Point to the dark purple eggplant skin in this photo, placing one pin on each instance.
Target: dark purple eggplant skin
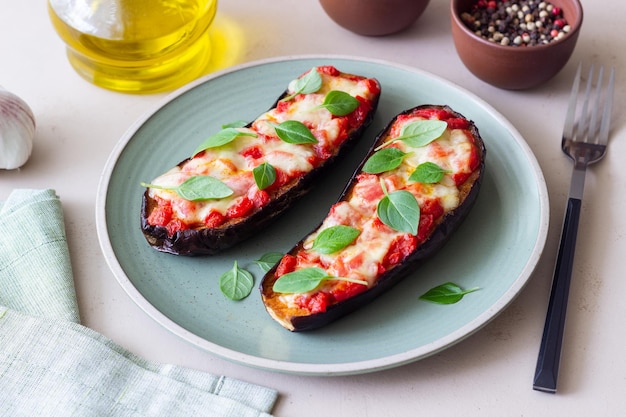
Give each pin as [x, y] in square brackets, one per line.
[438, 238]
[212, 241]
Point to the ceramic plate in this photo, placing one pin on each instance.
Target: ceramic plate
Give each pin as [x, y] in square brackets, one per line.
[496, 248]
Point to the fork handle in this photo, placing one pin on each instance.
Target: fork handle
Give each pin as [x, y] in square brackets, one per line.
[549, 358]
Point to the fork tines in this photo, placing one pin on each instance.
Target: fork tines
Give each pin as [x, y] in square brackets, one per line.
[590, 127]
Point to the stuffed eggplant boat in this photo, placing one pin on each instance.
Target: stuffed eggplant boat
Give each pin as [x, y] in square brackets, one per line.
[411, 192]
[242, 177]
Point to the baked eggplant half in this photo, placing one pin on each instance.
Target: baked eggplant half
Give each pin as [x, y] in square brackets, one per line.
[243, 177]
[404, 202]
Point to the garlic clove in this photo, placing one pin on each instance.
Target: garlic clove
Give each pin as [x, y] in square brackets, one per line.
[17, 130]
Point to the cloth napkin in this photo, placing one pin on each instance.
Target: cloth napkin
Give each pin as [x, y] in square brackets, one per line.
[51, 365]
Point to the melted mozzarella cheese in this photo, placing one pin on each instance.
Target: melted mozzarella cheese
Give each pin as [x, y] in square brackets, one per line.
[452, 152]
[227, 164]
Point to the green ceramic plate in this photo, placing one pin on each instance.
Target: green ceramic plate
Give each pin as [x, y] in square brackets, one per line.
[496, 249]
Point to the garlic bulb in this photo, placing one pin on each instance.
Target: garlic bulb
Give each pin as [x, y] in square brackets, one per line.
[17, 130]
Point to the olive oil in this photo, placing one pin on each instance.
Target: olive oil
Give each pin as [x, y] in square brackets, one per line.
[136, 46]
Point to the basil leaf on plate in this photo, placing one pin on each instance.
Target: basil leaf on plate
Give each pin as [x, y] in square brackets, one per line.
[268, 260]
[305, 280]
[236, 283]
[294, 132]
[335, 238]
[309, 83]
[419, 133]
[198, 188]
[448, 293]
[384, 160]
[339, 103]
[428, 173]
[222, 137]
[399, 210]
[299, 281]
[264, 175]
[422, 132]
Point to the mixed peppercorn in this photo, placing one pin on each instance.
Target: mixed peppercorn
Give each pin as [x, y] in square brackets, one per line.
[517, 23]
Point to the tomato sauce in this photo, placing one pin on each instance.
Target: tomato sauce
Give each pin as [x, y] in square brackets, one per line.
[165, 214]
[366, 193]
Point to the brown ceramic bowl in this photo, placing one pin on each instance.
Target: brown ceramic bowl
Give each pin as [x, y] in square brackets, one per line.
[511, 67]
[374, 17]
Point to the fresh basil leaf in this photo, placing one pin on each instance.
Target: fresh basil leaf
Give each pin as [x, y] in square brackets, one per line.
[200, 187]
[419, 133]
[448, 293]
[339, 103]
[299, 281]
[236, 123]
[428, 173]
[264, 175]
[335, 238]
[309, 83]
[268, 260]
[422, 132]
[294, 132]
[237, 283]
[222, 137]
[384, 160]
[305, 280]
[399, 210]
[203, 187]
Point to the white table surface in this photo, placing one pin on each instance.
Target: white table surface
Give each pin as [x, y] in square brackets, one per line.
[488, 374]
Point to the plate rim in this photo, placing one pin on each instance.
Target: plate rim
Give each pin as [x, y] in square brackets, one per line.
[320, 369]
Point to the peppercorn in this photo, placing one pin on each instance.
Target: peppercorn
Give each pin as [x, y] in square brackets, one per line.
[516, 22]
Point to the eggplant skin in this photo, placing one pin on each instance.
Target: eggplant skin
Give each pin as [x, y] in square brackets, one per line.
[442, 233]
[211, 241]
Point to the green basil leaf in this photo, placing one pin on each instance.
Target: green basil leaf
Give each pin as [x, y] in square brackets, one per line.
[428, 173]
[339, 103]
[222, 137]
[384, 160]
[448, 293]
[309, 83]
[305, 280]
[399, 210]
[335, 238]
[295, 132]
[300, 281]
[268, 260]
[264, 175]
[422, 132]
[237, 283]
[201, 187]
[236, 123]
